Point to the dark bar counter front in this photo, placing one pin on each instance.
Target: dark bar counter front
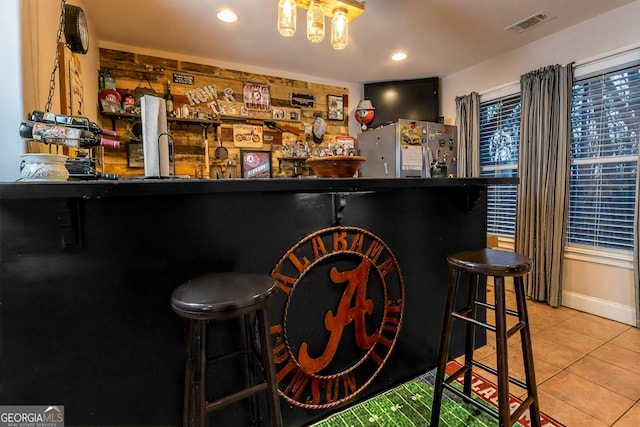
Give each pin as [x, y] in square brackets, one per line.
[88, 269]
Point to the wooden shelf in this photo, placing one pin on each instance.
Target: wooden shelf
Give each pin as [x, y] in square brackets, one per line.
[130, 116]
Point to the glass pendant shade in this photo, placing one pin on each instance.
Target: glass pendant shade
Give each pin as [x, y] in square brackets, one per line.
[339, 29]
[287, 17]
[315, 22]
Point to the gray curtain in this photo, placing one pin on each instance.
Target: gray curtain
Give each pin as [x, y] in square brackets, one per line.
[543, 166]
[468, 123]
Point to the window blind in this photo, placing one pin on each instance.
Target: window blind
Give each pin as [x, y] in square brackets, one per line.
[499, 143]
[605, 132]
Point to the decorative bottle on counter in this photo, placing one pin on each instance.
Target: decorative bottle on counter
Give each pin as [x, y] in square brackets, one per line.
[169, 99]
[80, 122]
[83, 168]
[69, 136]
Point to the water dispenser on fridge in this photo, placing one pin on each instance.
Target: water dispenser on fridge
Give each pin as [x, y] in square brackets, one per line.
[409, 149]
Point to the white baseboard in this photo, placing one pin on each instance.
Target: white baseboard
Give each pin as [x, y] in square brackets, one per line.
[607, 309]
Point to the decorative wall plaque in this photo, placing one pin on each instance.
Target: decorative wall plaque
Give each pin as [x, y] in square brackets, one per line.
[340, 305]
[257, 97]
[302, 100]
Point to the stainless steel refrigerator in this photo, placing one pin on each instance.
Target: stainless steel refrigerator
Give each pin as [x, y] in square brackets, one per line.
[409, 149]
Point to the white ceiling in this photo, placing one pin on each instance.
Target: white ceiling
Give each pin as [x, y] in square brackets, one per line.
[439, 36]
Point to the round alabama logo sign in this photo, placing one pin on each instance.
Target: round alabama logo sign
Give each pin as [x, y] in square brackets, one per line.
[340, 304]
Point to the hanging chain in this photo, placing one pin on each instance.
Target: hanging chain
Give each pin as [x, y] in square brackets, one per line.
[56, 62]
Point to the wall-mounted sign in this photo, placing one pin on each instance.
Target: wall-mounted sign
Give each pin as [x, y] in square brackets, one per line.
[208, 95]
[247, 136]
[303, 100]
[184, 79]
[255, 163]
[339, 309]
[257, 97]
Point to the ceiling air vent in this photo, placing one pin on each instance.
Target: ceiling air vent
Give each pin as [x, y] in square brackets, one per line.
[529, 22]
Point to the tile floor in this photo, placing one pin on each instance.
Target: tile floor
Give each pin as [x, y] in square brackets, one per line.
[587, 367]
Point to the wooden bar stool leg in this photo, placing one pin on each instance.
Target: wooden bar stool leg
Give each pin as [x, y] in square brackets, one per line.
[195, 377]
[470, 333]
[502, 358]
[269, 368]
[192, 349]
[527, 352]
[249, 323]
[443, 351]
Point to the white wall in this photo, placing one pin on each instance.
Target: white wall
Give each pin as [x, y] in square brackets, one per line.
[607, 32]
[11, 145]
[592, 283]
[38, 52]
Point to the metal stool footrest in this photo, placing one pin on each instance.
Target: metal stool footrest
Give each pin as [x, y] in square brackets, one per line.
[510, 332]
[242, 394]
[494, 372]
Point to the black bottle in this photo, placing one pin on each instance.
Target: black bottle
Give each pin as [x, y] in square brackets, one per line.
[169, 99]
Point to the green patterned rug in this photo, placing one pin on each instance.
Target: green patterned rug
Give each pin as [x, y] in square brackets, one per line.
[409, 405]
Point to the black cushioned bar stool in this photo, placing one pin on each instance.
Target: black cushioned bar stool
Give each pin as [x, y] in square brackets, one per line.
[220, 296]
[499, 264]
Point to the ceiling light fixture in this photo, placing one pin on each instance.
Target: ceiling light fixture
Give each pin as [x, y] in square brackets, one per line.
[287, 17]
[227, 15]
[339, 29]
[399, 56]
[315, 22]
[341, 13]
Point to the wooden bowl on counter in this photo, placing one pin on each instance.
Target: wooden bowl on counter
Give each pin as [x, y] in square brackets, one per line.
[335, 166]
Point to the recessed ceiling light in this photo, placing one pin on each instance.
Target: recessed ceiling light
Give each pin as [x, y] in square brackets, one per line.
[226, 15]
[399, 56]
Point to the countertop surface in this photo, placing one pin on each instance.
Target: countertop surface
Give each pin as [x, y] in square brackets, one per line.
[170, 186]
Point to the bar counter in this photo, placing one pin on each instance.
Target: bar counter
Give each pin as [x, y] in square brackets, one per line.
[88, 269]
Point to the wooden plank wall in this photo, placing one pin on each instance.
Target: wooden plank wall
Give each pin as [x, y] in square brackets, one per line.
[132, 70]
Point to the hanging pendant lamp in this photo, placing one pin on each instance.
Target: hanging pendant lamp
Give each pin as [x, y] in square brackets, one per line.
[287, 17]
[339, 29]
[315, 22]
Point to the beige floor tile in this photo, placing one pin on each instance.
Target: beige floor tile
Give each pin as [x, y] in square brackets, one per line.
[586, 324]
[629, 339]
[565, 413]
[571, 339]
[618, 356]
[607, 375]
[631, 418]
[554, 353]
[557, 314]
[583, 394]
[606, 322]
[539, 322]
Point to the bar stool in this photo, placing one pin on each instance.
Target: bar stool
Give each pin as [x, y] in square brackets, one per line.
[499, 264]
[220, 296]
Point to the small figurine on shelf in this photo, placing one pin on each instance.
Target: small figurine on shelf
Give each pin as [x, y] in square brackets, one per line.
[365, 112]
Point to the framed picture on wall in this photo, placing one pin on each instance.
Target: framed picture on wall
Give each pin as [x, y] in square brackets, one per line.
[335, 107]
[255, 163]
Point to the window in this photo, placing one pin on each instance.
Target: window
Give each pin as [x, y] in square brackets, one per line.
[499, 142]
[605, 129]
